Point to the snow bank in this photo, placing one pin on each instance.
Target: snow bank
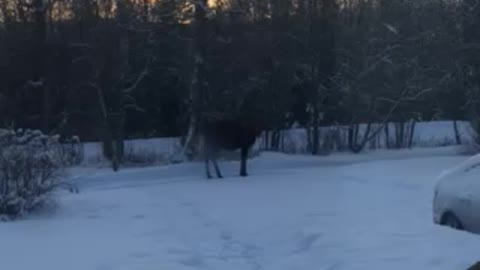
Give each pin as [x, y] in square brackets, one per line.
[159, 150]
[426, 134]
[141, 151]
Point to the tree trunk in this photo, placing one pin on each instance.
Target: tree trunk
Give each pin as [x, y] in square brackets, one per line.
[358, 147]
[282, 141]
[267, 139]
[39, 12]
[146, 11]
[355, 134]
[350, 135]
[309, 138]
[276, 140]
[197, 78]
[387, 136]
[458, 139]
[353, 138]
[399, 134]
[272, 140]
[107, 137]
[412, 133]
[316, 133]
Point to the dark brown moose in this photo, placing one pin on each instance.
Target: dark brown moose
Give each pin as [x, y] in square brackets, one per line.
[230, 135]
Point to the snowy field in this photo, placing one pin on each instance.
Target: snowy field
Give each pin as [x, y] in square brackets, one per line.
[294, 212]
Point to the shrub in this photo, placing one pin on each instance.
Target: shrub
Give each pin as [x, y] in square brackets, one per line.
[71, 151]
[141, 156]
[30, 169]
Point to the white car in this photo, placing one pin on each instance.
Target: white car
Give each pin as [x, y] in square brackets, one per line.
[456, 200]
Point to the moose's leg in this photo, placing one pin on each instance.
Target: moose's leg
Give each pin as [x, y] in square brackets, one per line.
[215, 164]
[207, 168]
[243, 164]
[207, 157]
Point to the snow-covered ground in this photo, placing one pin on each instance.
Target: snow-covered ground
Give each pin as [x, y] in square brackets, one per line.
[294, 212]
[161, 150]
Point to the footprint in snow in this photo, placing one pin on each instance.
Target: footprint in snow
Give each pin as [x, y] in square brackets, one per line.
[93, 216]
[104, 267]
[437, 261]
[320, 214]
[194, 261]
[112, 206]
[186, 204]
[177, 251]
[306, 243]
[140, 255]
[139, 216]
[226, 236]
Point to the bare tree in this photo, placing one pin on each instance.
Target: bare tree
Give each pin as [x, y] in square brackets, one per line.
[197, 79]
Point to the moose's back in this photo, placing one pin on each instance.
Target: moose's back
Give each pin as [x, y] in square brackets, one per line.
[229, 134]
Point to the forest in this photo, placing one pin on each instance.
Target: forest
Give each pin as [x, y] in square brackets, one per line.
[109, 70]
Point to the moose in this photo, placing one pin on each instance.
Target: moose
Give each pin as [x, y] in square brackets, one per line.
[230, 135]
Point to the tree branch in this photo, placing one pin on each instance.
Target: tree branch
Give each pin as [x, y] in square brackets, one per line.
[392, 109]
[139, 79]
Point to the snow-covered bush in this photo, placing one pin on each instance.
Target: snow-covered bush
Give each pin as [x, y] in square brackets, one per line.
[471, 144]
[142, 156]
[71, 151]
[30, 169]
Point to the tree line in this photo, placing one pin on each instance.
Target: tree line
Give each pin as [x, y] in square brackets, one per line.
[114, 69]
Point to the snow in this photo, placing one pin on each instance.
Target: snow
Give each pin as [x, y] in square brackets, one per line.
[162, 150]
[370, 211]
[426, 134]
[460, 168]
[441, 132]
